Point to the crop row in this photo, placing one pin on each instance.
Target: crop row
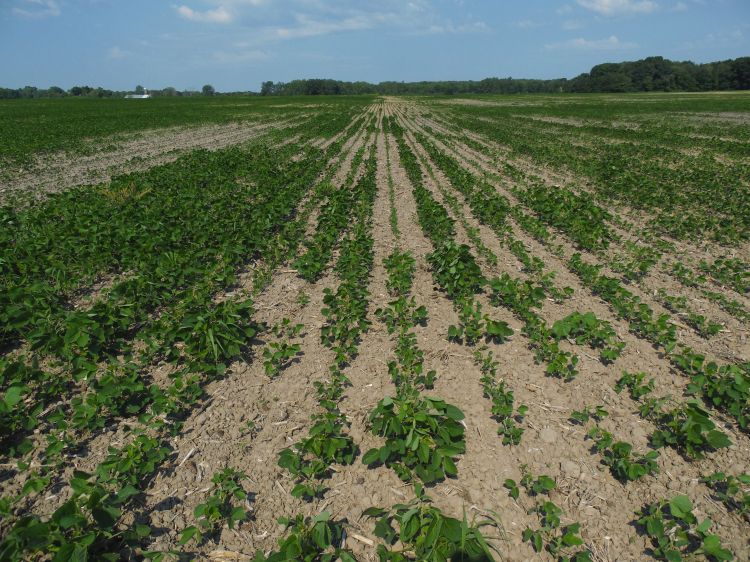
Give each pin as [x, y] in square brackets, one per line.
[726, 387]
[81, 338]
[661, 331]
[687, 426]
[332, 220]
[457, 274]
[588, 227]
[700, 194]
[208, 336]
[522, 297]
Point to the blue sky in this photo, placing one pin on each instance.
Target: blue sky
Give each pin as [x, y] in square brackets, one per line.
[237, 44]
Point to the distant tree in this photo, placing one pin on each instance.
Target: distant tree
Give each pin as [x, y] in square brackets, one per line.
[9, 94]
[649, 74]
[100, 93]
[741, 73]
[80, 90]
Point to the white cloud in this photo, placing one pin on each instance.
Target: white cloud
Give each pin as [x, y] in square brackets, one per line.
[37, 8]
[571, 25]
[244, 2]
[219, 15]
[728, 37]
[527, 24]
[239, 56]
[117, 53]
[293, 19]
[565, 9]
[473, 27]
[309, 27]
[617, 7]
[611, 43]
[451, 28]
[312, 18]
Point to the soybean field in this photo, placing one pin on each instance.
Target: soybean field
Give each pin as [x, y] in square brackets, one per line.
[376, 328]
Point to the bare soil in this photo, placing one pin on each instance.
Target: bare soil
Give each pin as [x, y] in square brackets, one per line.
[58, 172]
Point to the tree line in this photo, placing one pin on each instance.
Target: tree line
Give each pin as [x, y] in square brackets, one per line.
[652, 74]
[657, 74]
[32, 92]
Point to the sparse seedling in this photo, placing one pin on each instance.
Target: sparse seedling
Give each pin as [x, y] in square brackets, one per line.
[676, 534]
[635, 385]
[311, 539]
[219, 509]
[596, 413]
[278, 355]
[689, 429]
[732, 491]
[624, 464]
[425, 534]
[303, 298]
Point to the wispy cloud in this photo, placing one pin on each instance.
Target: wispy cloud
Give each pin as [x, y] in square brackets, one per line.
[619, 7]
[454, 29]
[732, 38]
[572, 25]
[294, 19]
[219, 15]
[37, 8]
[244, 2]
[611, 43]
[527, 24]
[306, 26]
[238, 56]
[116, 52]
